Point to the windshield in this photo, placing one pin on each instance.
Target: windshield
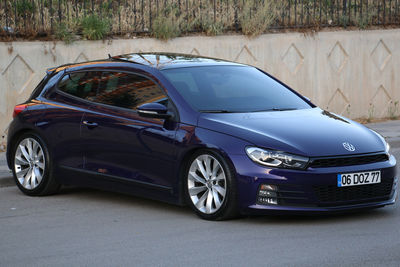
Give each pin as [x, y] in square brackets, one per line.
[232, 89]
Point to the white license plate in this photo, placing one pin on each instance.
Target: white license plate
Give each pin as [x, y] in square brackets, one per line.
[358, 178]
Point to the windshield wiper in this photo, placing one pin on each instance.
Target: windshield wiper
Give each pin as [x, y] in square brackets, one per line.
[232, 111]
[216, 111]
[275, 109]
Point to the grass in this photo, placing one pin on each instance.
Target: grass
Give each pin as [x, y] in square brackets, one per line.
[371, 112]
[94, 27]
[393, 110]
[256, 19]
[63, 32]
[166, 24]
[28, 18]
[364, 21]
[23, 7]
[211, 28]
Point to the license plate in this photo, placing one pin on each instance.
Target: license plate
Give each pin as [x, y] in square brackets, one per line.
[358, 178]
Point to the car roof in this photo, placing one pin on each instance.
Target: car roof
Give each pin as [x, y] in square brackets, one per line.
[154, 60]
[172, 60]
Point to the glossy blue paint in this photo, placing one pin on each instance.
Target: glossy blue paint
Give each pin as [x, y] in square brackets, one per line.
[127, 145]
[251, 176]
[114, 148]
[308, 132]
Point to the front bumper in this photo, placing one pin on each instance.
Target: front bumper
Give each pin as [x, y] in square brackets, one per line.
[314, 189]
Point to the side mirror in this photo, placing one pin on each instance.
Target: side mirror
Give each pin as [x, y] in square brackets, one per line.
[153, 110]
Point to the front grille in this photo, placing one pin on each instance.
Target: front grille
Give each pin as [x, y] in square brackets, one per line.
[348, 161]
[332, 195]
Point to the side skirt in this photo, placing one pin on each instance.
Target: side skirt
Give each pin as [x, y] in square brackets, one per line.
[86, 178]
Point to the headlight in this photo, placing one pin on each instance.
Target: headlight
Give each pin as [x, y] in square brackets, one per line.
[276, 159]
[387, 148]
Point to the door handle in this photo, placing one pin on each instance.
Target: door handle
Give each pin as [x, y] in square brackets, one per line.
[90, 124]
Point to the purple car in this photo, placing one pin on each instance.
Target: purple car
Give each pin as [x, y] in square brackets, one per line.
[224, 138]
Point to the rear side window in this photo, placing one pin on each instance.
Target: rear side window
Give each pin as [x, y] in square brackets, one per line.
[81, 84]
[113, 88]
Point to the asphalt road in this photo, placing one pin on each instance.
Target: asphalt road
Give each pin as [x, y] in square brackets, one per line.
[82, 227]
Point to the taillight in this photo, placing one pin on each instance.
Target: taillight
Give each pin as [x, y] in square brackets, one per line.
[18, 109]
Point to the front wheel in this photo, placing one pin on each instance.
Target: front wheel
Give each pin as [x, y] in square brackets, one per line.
[32, 167]
[210, 186]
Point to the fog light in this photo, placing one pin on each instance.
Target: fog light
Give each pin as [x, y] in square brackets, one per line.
[269, 187]
[267, 194]
[268, 200]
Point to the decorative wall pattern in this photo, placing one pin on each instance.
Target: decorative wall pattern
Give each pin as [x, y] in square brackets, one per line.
[338, 57]
[293, 59]
[381, 55]
[245, 56]
[354, 73]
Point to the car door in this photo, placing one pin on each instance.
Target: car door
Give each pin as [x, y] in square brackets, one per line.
[65, 106]
[120, 144]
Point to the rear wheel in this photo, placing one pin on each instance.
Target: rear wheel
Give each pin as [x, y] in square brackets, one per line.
[32, 167]
[210, 186]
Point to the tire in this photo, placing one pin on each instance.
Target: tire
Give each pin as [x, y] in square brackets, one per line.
[31, 166]
[213, 197]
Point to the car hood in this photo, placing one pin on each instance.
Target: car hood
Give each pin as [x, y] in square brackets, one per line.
[309, 132]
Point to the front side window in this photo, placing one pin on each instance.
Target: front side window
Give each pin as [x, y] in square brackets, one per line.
[128, 90]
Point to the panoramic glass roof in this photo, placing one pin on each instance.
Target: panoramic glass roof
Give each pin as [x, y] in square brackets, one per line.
[166, 60]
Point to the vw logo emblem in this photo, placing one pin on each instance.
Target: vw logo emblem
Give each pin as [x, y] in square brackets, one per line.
[349, 146]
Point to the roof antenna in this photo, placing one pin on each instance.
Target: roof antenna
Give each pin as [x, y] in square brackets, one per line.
[109, 56]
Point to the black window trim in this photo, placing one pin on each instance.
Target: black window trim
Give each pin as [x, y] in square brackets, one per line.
[39, 88]
[46, 89]
[66, 72]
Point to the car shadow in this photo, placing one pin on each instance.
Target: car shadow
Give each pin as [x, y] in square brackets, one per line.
[110, 197]
[359, 215]
[124, 200]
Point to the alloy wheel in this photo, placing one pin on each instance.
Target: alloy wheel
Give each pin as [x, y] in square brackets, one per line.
[207, 184]
[29, 163]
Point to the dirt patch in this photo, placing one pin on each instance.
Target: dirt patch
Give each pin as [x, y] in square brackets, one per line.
[366, 120]
[3, 143]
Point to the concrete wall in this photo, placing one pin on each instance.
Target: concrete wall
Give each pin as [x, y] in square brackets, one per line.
[354, 73]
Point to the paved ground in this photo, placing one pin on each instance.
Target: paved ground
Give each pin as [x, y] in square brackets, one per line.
[5, 173]
[88, 227]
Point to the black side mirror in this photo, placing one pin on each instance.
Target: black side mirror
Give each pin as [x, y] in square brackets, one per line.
[153, 110]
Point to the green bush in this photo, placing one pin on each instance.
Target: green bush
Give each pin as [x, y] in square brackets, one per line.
[214, 29]
[393, 109]
[210, 27]
[366, 19]
[166, 25]
[62, 32]
[24, 6]
[255, 20]
[344, 21]
[94, 27]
